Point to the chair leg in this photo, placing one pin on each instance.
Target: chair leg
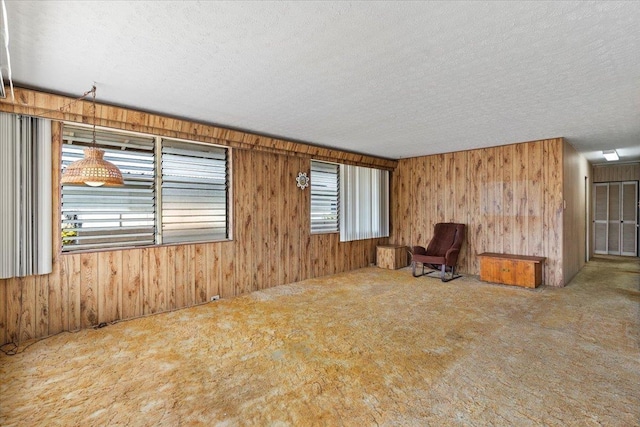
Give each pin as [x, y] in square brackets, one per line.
[453, 274]
[413, 269]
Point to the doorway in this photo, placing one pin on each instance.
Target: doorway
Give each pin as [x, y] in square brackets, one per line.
[615, 223]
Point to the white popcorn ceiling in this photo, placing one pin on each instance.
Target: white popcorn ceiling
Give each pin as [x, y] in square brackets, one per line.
[391, 79]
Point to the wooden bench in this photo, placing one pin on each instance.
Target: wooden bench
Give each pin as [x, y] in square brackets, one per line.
[518, 270]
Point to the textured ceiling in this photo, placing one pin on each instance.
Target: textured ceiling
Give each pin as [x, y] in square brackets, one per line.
[392, 79]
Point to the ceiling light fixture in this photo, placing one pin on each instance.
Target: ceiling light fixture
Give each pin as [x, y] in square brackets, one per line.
[610, 155]
[92, 170]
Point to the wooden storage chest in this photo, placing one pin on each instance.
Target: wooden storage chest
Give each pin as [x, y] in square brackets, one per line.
[518, 270]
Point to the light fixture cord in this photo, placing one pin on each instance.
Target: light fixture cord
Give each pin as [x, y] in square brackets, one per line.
[93, 91]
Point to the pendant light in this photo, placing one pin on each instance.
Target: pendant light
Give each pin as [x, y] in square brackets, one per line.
[92, 170]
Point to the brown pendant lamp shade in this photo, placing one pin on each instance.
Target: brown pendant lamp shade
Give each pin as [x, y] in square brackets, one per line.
[93, 170]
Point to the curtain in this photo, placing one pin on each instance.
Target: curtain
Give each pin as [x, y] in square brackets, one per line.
[25, 196]
[364, 203]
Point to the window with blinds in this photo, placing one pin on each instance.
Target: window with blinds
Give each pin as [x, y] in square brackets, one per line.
[174, 192]
[325, 186]
[194, 192]
[109, 217]
[364, 198]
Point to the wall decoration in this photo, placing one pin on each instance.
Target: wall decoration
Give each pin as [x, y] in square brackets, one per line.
[302, 180]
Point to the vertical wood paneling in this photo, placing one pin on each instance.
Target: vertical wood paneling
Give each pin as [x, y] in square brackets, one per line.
[283, 235]
[27, 288]
[292, 250]
[228, 261]
[72, 276]
[577, 197]
[244, 217]
[271, 245]
[88, 290]
[200, 273]
[401, 215]
[535, 199]
[181, 272]
[489, 202]
[169, 278]
[304, 224]
[214, 272]
[132, 287]
[154, 279]
[258, 239]
[553, 273]
[272, 210]
[58, 300]
[490, 190]
[508, 210]
[475, 223]
[58, 291]
[624, 172]
[507, 196]
[42, 306]
[110, 286]
[3, 313]
[520, 230]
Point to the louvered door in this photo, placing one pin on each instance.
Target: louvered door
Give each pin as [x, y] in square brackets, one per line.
[615, 225]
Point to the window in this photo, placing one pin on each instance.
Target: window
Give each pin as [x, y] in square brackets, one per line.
[194, 192]
[325, 183]
[364, 198]
[353, 200]
[185, 196]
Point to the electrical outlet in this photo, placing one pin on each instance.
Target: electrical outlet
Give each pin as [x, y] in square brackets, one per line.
[215, 298]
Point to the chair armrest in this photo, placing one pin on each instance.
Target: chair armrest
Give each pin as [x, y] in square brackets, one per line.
[451, 257]
[418, 250]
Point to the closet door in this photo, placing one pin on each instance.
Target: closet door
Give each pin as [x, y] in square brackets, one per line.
[601, 218]
[613, 234]
[615, 222]
[629, 218]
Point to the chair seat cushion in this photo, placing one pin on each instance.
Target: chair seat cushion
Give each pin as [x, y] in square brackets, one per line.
[429, 259]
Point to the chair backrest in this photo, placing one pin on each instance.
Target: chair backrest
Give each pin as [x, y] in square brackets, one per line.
[446, 235]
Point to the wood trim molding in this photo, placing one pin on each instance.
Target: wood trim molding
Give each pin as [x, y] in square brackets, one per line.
[57, 107]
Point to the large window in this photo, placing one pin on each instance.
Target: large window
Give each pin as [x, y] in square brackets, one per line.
[364, 198]
[325, 184]
[175, 191]
[353, 200]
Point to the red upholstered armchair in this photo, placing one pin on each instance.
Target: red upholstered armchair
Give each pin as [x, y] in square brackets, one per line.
[442, 251]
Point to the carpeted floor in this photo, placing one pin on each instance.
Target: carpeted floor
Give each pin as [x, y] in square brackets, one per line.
[369, 347]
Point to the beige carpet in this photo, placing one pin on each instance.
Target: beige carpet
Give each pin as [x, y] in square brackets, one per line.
[370, 347]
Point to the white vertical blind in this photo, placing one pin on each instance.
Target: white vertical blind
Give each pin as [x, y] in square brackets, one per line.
[325, 197]
[364, 202]
[25, 196]
[194, 192]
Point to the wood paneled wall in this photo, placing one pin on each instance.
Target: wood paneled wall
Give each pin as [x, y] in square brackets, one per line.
[510, 197]
[62, 108]
[271, 245]
[576, 225]
[623, 172]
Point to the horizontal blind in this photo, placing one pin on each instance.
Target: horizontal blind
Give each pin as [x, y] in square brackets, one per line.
[364, 198]
[325, 206]
[194, 192]
[109, 217]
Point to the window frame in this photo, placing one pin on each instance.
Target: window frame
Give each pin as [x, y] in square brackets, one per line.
[157, 188]
[337, 199]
